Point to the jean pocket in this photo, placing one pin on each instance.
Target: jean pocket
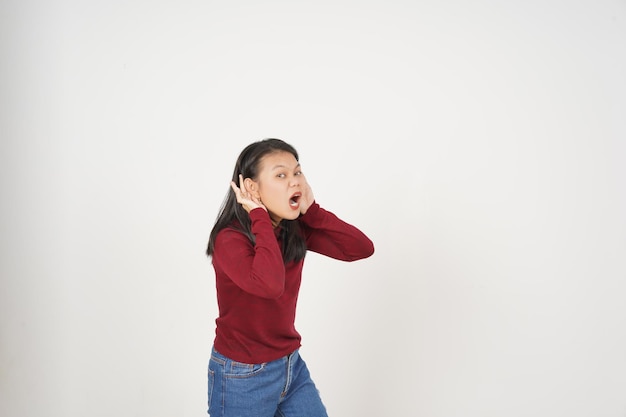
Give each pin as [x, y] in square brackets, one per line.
[243, 370]
[211, 385]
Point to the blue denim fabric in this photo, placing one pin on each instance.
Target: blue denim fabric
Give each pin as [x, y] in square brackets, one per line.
[281, 388]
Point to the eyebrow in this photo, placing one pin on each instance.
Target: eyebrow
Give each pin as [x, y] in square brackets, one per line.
[284, 166]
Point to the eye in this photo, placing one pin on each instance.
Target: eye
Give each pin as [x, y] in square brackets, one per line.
[298, 173]
[281, 175]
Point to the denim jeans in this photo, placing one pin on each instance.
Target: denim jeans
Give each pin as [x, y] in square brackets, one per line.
[281, 388]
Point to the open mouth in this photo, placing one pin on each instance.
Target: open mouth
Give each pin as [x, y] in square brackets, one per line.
[295, 199]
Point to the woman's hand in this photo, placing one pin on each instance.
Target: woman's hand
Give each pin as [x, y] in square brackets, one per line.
[244, 197]
[307, 197]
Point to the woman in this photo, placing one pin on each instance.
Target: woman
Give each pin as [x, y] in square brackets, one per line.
[268, 221]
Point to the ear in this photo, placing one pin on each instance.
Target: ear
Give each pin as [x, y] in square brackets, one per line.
[251, 185]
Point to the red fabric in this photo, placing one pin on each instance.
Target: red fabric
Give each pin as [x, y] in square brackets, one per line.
[257, 293]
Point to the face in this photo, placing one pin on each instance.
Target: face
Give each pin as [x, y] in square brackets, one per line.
[279, 185]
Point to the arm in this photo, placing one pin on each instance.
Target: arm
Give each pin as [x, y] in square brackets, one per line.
[257, 269]
[328, 235]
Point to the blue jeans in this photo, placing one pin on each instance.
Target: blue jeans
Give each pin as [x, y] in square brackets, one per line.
[281, 388]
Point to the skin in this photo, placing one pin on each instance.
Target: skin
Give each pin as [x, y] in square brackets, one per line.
[281, 188]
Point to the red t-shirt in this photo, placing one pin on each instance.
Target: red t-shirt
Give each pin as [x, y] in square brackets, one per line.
[257, 293]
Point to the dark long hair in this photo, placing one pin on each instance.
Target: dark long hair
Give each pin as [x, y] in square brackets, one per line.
[233, 215]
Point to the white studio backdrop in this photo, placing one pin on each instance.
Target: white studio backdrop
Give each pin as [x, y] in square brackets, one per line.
[481, 146]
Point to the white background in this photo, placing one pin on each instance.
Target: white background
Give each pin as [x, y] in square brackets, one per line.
[480, 144]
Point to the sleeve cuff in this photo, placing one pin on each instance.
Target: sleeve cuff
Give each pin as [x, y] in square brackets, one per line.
[311, 213]
[259, 214]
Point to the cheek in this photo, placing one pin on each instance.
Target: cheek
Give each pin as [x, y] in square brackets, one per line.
[269, 193]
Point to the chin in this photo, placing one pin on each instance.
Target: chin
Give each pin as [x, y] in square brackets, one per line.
[292, 215]
[286, 215]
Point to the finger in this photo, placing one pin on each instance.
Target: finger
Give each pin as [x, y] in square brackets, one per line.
[236, 190]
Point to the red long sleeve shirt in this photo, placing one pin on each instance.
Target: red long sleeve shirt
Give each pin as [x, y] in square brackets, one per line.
[257, 292]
